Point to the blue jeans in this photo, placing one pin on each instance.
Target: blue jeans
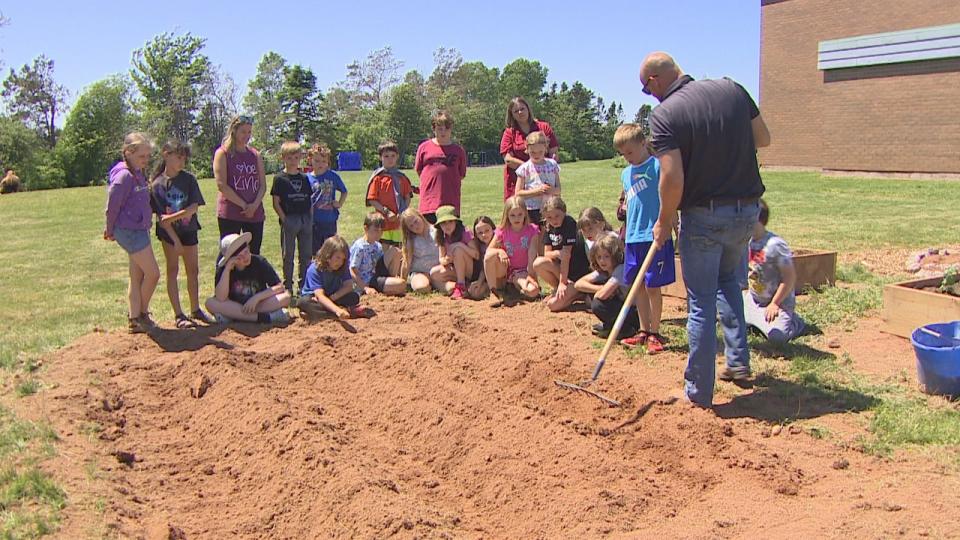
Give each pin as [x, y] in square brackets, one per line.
[711, 245]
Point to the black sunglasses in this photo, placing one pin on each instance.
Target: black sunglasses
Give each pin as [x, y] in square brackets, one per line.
[645, 89]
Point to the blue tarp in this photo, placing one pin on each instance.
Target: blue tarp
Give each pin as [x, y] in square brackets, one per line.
[349, 161]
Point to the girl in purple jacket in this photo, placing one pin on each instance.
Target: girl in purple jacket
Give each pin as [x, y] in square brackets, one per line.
[129, 218]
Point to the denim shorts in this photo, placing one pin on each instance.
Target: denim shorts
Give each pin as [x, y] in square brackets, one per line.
[132, 240]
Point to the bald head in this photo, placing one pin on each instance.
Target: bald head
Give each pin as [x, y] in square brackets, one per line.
[661, 65]
[657, 72]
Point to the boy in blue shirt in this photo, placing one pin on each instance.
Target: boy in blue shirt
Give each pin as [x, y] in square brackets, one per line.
[640, 182]
[325, 185]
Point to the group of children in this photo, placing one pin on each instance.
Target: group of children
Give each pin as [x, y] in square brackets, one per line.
[401, 249]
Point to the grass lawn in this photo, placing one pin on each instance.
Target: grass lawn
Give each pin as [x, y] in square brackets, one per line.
[61, 279]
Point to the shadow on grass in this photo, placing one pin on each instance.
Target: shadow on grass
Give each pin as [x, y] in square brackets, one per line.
[778, 400]
[788, 351]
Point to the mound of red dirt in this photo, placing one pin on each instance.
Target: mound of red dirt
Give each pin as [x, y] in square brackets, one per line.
[440, 419]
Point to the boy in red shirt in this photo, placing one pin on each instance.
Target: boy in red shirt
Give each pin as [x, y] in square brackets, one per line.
[389, 192]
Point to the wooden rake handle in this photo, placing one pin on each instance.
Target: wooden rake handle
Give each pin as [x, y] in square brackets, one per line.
[622, 316]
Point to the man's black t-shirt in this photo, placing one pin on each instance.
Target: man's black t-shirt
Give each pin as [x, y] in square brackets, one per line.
[710, 122]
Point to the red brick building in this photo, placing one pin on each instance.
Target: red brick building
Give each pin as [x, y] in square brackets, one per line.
[861, 85]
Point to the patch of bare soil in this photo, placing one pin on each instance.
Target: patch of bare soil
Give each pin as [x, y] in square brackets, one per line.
[440, 419]
[902, 262]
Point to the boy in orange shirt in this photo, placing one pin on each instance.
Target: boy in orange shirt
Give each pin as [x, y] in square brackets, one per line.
[389, 192]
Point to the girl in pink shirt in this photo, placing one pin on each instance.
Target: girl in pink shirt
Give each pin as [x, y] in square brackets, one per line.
[509, 259]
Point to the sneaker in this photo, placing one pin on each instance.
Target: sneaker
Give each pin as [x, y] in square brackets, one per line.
[222, 319]
[635, 341]
[654, 343]
[360, 312]
[730, 374]
[279, 316]
[202, 317]
[597, 328]
[459, 292]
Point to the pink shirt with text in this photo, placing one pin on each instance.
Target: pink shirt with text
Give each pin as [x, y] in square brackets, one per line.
[517, 244]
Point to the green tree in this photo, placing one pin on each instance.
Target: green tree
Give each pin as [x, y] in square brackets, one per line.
[94, 130]
[263, 100]
[23, 151]
[470, 92]
[218, 106]
[643, 117]
[33, 96]
[524, 78]
[300, 104]
[171, 72]
[366, 134]
[407, 121]
[368, 80]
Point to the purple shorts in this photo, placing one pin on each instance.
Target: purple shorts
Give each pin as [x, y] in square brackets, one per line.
[662, 270]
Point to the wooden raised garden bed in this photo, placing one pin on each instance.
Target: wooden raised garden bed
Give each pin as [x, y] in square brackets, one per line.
[907, 306]
[814, 270]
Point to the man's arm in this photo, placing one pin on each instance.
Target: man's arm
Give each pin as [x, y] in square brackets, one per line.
[761, 135]
[671, 191]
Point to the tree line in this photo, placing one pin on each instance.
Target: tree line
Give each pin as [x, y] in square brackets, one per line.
[174, 90]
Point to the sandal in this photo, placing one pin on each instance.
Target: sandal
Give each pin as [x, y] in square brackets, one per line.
[145, 321]
[134, 326]
[184, 322]
[200, 316]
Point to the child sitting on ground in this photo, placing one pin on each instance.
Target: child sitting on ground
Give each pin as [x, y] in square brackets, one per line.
[420, 253]
[372, 267]
[247, 287]
[640, 182]
[328, 287]
[509, 259]
[609, 288]
[770, 301]
[458, 254]
[389, 192]
[591, 226]
[553, 267]
[483, 228]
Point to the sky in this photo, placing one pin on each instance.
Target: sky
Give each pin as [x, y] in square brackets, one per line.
[601, 45]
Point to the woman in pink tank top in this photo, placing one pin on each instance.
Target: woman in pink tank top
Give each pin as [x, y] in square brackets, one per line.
[238, 169]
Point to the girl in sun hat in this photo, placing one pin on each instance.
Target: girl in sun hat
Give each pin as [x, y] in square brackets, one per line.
[247, 287]
[129, 218]
[458, 254]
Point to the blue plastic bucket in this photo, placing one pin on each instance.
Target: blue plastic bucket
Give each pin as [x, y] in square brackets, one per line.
[938, 358]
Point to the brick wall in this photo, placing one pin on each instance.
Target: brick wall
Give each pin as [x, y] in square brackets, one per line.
[893, 118]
